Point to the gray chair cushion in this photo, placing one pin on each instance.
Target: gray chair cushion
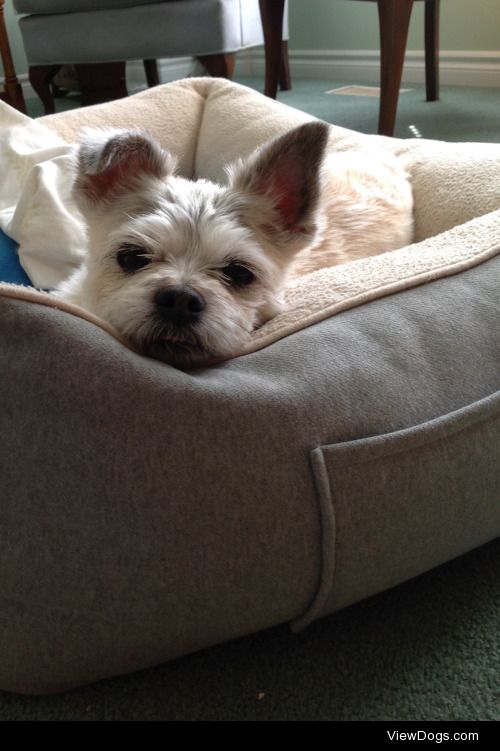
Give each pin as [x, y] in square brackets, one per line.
[72, 6]
[152, 30]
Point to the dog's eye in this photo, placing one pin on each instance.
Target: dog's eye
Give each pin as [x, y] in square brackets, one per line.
[131, 258]
[238, 274]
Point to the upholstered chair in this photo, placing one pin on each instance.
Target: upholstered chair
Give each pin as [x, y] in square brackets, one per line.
[87, 33]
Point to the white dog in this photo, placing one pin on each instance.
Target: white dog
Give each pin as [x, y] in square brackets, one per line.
[187, 269]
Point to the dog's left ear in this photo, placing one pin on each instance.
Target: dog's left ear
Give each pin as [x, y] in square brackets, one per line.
[284, 176]
[110, 163]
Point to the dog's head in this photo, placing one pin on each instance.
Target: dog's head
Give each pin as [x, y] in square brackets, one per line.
[187, 269]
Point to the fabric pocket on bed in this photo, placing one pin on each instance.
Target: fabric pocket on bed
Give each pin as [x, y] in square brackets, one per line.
[395, 505]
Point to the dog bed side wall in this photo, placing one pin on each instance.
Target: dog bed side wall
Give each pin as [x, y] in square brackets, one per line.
[147, 513]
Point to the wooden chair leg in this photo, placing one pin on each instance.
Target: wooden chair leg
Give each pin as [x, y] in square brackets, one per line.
[13, 93]
[271, 14]
[219, 66]
[40, 77]
[152, 75]
[285, 81]
[394, 20]
[101, 82]
[432, 50]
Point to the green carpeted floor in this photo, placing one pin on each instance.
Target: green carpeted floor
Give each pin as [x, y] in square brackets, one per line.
[461, 114]
[427, 650]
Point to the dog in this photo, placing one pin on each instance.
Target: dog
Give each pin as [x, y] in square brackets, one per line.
[186, 270]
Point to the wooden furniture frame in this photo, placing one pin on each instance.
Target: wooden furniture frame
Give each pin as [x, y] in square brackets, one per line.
[394, 21]
[12, 93]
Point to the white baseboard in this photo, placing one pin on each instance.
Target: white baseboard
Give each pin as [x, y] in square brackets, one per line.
[468, 68]
[171, 69]
[456, 68]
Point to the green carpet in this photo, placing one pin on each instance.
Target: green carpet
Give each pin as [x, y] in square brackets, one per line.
[426, 650]
[461, 114]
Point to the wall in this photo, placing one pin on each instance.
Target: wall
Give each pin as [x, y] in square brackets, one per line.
[349, 25]
[338, 40]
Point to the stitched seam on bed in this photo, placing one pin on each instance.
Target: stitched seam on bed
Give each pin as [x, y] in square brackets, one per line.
[367, 296]
[34, 296]
[466, 415]
[327, 542]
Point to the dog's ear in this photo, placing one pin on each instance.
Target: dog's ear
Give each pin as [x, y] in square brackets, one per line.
[284, 176]
[110, 162]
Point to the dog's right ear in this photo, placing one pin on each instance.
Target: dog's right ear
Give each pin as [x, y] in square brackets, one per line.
[281, 182]
[110, 162]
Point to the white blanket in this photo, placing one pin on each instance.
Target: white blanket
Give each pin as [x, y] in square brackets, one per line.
[36, 208]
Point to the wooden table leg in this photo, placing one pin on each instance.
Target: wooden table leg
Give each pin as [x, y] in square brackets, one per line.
[285, 80]
[13, 91]
[394, 19]
[271, 13]
[432, 50]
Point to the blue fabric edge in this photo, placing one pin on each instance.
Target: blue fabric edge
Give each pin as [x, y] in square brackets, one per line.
[10, 266]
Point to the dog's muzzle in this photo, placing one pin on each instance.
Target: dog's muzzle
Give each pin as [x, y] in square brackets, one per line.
[180, 305]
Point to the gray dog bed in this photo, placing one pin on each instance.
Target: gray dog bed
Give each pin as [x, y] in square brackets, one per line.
[149, 512]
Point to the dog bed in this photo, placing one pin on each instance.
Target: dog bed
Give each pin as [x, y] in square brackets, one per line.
[149, 512]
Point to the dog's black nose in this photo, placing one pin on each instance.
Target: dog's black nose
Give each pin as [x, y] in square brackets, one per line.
[179, 305]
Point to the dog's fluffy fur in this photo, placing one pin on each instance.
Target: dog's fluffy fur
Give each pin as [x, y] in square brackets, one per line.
[187, 269]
